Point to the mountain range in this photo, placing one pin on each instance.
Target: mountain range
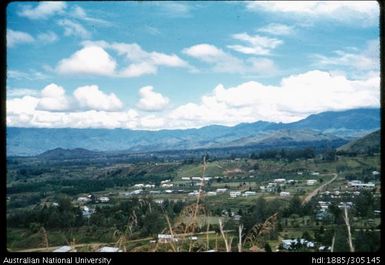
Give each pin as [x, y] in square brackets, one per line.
[326, 126]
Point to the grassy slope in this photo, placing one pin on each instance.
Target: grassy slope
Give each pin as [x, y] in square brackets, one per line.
[361, 145]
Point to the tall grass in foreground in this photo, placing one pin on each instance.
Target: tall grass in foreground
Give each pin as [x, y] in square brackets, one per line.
[186, 224]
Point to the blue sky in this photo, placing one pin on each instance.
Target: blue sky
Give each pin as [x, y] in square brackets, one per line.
[156, 65]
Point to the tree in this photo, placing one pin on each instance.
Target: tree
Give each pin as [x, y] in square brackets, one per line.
[371, 238]
[240, 212]
[268, 247]
[364, 204]
[153, 223]
[256, 214]
[295, 206]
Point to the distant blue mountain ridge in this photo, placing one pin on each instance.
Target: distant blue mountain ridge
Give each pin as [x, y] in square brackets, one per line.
[329, 125]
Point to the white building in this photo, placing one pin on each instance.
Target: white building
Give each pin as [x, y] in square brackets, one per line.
[194, 193]
[140, 185]
[104, 199]
[281, 180]
[357, 184]
[63, 249]
[200, 179]
[324, 248]
[271, 187]
[322, 203]
[84, 199]
[221, 190]
[168, 191]
[311, 182]
[249, 193]
[284, 194]
[167, 185]
[289, 243]
[109, 249]
[165, 181]
[186, 178]
[234, 194]
[149, 186]
[165, 238]
[315, 173]
[136, 192]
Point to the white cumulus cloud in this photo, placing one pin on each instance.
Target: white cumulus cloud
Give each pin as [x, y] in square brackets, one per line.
[142, 62]
[88, 107]
[88, 60]
[295, 98]
[94, 59]
[53, 98]
[24, 105]
[90, 97]
[150, 100]
[205, 52]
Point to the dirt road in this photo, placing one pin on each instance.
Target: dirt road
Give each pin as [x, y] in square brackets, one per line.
[314, 192]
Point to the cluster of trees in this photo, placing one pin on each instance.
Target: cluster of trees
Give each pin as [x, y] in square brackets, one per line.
[369, 151]
[63, 216]
[140, 217]
[295, 207]
[23, 200]
[365, 204]
[82, 185]
[289, 154]
[260, 211]
[263, 209]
